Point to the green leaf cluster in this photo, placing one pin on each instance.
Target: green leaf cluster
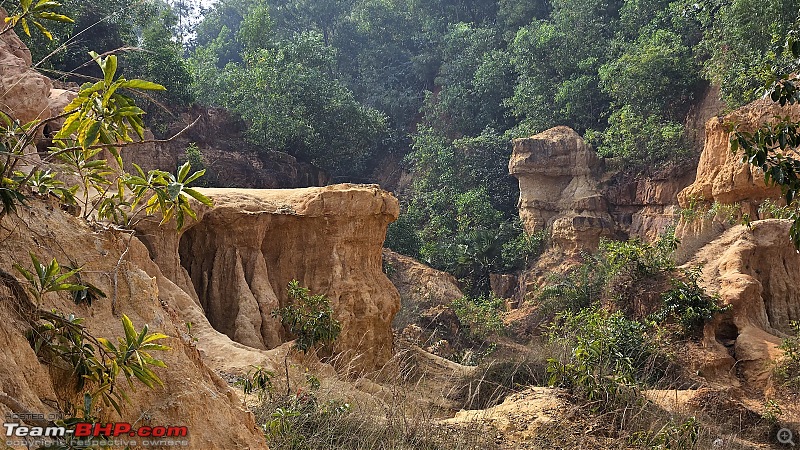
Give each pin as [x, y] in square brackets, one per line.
[49, 277]
[482, 316]
[29, 13]
[96, 363]
[310, 318]
[687, 304]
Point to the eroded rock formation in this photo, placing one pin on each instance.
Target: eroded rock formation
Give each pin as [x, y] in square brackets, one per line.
[419, 285]
[24, 91]
[565, 186]
[645, 207]
[120, 266]
[242, 252]
[755, 271]
[559, 188]
[721, 174]
[237, 260]
[230, 160]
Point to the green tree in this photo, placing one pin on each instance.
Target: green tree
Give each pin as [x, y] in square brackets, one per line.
[160, 57]
[740, 45]
[641, 141]
[463, 204]
[655, 75]
[284, 92]
[474, 79]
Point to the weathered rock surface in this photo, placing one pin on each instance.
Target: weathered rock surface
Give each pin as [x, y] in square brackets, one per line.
[645, 207]
[721, 175]
[559, 188]
[419, 285]
[755, 271]
[230, 160]
[23, 91]
[564, 186]
[425, 316]
[240, 255]
[120, 266]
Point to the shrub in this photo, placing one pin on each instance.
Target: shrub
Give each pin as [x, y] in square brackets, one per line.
[642, 258]
[788, 369]
[483, 316]
[603, 356]
[641, 141]
[773, 209]
[579, 288]
[687, 304]
[402, 237]
[309, 317]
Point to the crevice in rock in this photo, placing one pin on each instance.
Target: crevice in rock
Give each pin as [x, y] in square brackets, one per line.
[726, 334]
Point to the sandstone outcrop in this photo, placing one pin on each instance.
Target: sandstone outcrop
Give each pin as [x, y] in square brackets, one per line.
[565, 186]
[425, 316]
[646, 207]
[721, 174]
[419, 285]
[559, 189]
[240, 255]
[24, 91]
[230, 160]
[755, 271]
[119, 265]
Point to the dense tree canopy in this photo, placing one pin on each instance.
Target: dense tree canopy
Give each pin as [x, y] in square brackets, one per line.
[352, 84]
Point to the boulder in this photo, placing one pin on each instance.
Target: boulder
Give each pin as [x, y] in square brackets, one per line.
[237, 259]
[419, 285]
[425, 318]
[559, 188]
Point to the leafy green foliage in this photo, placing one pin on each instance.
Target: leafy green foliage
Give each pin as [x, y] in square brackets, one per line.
[579, 288]
[169, 193]
[48, 277]
[788, 369]
[604, 354]
[310, 318]
[161, 57]
[196, 160]
[402, 237]
[642, 258]
[613, 273]
[100, 118]
[96, 363]
[475, 77]
[640, 140]
[483, 316]
[741, 45]
[297, 417]
[258, 380]
[29, 13]
[768, 147]
[770, 209]
[687, 304]
[283, 90]
[653, 76]
[101, 113]
[463, 204]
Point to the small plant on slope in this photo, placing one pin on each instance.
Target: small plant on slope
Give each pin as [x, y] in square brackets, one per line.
[309, 318]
